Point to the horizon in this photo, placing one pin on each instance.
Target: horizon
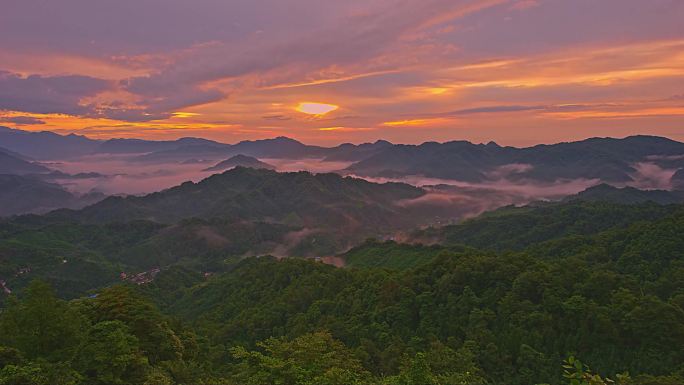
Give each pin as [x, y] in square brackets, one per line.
[330, 145]
[355, 71]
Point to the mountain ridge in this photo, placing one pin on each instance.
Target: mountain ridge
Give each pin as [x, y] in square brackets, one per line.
[241, 161]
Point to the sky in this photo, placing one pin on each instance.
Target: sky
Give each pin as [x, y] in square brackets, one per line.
[518, 72]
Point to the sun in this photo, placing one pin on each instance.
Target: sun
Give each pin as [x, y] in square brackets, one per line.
[316, 108]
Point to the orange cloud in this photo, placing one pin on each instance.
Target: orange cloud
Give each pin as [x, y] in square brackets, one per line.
[416, 122]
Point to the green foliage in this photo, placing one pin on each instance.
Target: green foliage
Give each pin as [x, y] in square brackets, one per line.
[110, 354]
[577, 373]
[614, 298]
[599, 280]
[22, 375]
[392, 255]
[146, 323]
[41, 325]
[311, 359]
[513, 228]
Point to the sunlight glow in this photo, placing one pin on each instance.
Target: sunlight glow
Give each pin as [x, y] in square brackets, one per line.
[316, 108]
[181, 114]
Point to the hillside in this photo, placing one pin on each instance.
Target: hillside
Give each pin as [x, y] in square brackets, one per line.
[626, 195]
[14, 164]
[303, 199]
[454, 311]
[515, 228]
[505, 310]
[22, 195]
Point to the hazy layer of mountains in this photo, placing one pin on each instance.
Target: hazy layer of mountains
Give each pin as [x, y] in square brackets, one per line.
[49, 146]
[17, 164]
[23, 195]
[604, 159]
[484, 171]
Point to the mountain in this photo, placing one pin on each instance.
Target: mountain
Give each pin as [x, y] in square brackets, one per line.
[626, 195]
[327, 200]
[452, 160]
[13, 163]
[281, 147]
[348, 152]
[22, 195]
[16, 154]
[138, 146]
[240, 161]
[606, 159]
[46, 145]
[205, 226]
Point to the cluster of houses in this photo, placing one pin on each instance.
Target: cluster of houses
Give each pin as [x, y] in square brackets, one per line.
[140, 278]
[3, 284]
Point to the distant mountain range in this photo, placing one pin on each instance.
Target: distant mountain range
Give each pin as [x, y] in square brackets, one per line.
[51, 146]
[46, 145]
[605, 159]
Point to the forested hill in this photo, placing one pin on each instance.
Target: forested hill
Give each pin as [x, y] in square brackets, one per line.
[460, 316]
[613, 297]
[515, 228]
[259, 194]
[503, 299]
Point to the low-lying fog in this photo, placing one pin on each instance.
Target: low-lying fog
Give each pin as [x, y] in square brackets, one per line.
[447, 198]
[121, 176]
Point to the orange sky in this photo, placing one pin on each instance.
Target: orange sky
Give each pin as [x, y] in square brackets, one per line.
[516, 72]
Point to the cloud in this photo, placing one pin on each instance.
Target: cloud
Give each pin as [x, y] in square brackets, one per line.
[507, 170]
[491, 109]
[276, 117]
[484, 64]
[360, 43]
[48, 95]
[649, 175]
[22, 120]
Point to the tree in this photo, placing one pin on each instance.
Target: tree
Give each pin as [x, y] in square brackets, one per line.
[415, 371]
[110, 355]
[310, 359]
[40, 325]
[577, 373]
[156, 338]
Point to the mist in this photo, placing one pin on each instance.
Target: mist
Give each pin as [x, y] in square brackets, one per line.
[122, 176]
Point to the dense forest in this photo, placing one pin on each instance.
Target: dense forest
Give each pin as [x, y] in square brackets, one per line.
[532, 295]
